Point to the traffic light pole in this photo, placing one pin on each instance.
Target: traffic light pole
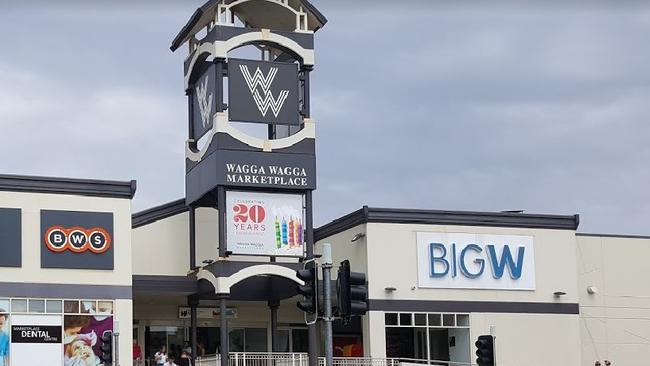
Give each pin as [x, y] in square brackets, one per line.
[327, 303]
[116, 347]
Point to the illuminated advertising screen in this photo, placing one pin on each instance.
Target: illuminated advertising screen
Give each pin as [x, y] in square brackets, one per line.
[270, 224]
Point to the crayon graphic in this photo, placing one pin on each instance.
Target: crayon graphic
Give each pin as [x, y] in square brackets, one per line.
[278, 239]
[284, 231]
[291, 233]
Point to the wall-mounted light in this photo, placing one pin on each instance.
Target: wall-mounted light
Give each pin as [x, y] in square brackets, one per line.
[390, 289]
[559, 293]
[357, 236]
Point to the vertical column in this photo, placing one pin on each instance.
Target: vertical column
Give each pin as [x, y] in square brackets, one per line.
[274, 305]
[309, 235]
[193, 302]
[223, 329]
[192, 237]
[221, 206]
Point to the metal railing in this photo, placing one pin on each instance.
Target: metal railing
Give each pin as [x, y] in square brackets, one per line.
[290, 359]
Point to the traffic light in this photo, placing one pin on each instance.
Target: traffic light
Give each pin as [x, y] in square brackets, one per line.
[106, 347]
[352, 292]
[309, 290]
[485, 350]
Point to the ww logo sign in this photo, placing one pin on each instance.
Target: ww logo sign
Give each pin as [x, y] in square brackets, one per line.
[260, 88]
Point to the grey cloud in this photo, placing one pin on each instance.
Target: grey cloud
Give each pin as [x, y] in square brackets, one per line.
[449, 105]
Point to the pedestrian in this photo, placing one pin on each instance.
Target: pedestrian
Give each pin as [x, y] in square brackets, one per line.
[137, 352]
[161, 356]
[170, 362]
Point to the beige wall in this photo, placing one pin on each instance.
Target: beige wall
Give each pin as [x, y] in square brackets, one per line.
[343, 249]
[531, 339]
[393, 263]
[162, 247]
[388, 255]
[31, 271]
[614, 321]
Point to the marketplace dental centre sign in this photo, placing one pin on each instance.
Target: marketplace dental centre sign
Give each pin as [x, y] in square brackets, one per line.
[475, 261]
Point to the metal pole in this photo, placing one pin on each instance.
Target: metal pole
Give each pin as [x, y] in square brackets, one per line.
[309, 235]
[193, 330]
[327, 303]
[274, 305]
[223, 323]
[493, 333]
[116, 345]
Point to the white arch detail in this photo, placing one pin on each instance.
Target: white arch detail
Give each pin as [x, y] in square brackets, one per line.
[221, 124]
[222, 285]
[221, 48]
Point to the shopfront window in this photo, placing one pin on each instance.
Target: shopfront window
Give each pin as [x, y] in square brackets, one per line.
[436, 338]
[248, 340]
[49, 330]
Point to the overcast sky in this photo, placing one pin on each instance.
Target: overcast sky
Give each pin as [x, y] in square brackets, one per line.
[438, 104]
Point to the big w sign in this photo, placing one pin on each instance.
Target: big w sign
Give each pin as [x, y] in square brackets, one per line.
[476, 261]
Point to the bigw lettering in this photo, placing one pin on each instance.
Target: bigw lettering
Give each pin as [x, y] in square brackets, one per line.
[470, 260]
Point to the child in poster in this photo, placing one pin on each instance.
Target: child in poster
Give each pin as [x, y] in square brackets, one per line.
[83, 334]
[4, 338]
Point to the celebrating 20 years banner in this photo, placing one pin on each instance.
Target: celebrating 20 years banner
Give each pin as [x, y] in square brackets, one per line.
[265, 223]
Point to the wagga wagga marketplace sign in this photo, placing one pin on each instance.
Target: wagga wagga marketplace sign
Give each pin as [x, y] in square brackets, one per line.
[475, 261]
[272, 170]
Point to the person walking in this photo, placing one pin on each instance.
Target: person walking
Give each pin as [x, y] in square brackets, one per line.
[137, 353]
[160, 358]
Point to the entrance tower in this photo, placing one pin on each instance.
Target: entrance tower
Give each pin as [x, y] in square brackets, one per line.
[250, 152]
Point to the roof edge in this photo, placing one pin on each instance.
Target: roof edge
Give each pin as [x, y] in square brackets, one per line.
[157, 213]
[184, 33]
[73, 186]
[620, 236]
[444, 217]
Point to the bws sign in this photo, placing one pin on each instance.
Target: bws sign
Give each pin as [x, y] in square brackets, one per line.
[475, 261]
[77, 240]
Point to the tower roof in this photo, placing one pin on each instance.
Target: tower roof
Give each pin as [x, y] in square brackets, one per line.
[255, 13]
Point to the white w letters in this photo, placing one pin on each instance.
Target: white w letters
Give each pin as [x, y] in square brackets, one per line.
[267, 100]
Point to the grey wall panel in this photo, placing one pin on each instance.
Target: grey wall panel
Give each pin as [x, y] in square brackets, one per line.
[474, 306]
[67, 258]
[69, 291]
[10, 237]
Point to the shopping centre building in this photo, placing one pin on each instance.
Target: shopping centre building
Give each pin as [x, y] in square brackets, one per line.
[215, 271]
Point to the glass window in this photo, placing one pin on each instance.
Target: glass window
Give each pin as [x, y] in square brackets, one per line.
[71, 306]
[405, 319]
[236, 340]
[105, 307]
[420, 319]
[462, 320]
[391, 319]
[4, 305]
[36, 306]
[283, 340]
[88, 306]
[449, 320]
[54, 306]
[19, 305]
[299, 340]
[434, 320]
[255, 340]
